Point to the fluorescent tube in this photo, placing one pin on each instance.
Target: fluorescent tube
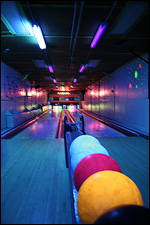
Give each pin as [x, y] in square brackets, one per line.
[82, 68]
[38, 34]
[54, 80]
[98, 34]
[50, 69]
[75, 80]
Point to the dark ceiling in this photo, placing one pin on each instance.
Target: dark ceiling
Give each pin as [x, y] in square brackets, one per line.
[68, 28]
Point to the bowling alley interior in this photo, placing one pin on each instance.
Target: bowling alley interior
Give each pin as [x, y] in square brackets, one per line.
[74, 112]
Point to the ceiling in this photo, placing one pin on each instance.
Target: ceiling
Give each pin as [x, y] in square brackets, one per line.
[68, 28]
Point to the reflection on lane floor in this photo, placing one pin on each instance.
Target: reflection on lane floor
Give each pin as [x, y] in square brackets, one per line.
[95, 128]
[46, 126]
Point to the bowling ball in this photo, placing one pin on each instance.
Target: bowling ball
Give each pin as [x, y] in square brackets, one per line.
[80, 153]
[128, 214]
[81, 141]
[104, 190]
[91, 164]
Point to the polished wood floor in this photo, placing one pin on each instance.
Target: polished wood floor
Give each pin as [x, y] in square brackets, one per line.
[34, 178]
[34, 182]
[132, 155]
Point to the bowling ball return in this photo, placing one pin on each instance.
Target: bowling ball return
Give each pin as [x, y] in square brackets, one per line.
[72, 130]
[117, 215]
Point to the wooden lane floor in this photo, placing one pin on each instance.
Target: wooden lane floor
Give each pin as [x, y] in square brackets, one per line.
[95, 128]
[34, 182]
[44, 128]
[34, 178]
[132, 155]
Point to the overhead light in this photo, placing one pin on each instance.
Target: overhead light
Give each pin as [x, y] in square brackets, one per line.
[75, 80]
[50, 69]
[54, 80]
[72, 86]
[98, 34]
[82, 68]
[39, 36]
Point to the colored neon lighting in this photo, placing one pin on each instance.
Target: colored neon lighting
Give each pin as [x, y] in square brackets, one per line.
[22, 93]
[39, 36]
[26, 76]
[136, 74]
[130, 85]
[72, 86]
[63, 88]
[67, 88]
[140, 66]
[63, 93]
[136, 86]
[82, 68]
[50, 69]
[98, 34]
[54, 80]
[33, 93]
[75, 80]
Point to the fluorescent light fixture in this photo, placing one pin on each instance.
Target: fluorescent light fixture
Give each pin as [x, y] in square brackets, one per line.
[54, 80]
[50, 69]
[82, 68]
[39, 36]
[75, 80]
[98, 34]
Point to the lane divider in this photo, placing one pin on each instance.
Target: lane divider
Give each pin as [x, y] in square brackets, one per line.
[59, 132]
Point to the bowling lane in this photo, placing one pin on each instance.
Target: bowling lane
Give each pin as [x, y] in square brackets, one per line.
[94, 127]
[44, 128]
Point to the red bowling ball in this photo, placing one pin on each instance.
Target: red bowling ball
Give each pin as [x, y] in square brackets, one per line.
[91, 164]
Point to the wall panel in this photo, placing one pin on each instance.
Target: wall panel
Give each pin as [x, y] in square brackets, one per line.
[13, 93]
[124, 98]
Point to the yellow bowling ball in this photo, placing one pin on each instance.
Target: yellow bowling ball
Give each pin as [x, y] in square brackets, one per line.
[104, 190]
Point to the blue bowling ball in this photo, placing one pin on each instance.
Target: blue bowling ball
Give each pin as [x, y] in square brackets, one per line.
[83, 142]
[80, 153]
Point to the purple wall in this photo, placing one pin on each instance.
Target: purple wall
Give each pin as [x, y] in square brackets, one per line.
[129, 104]
[13, 90]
